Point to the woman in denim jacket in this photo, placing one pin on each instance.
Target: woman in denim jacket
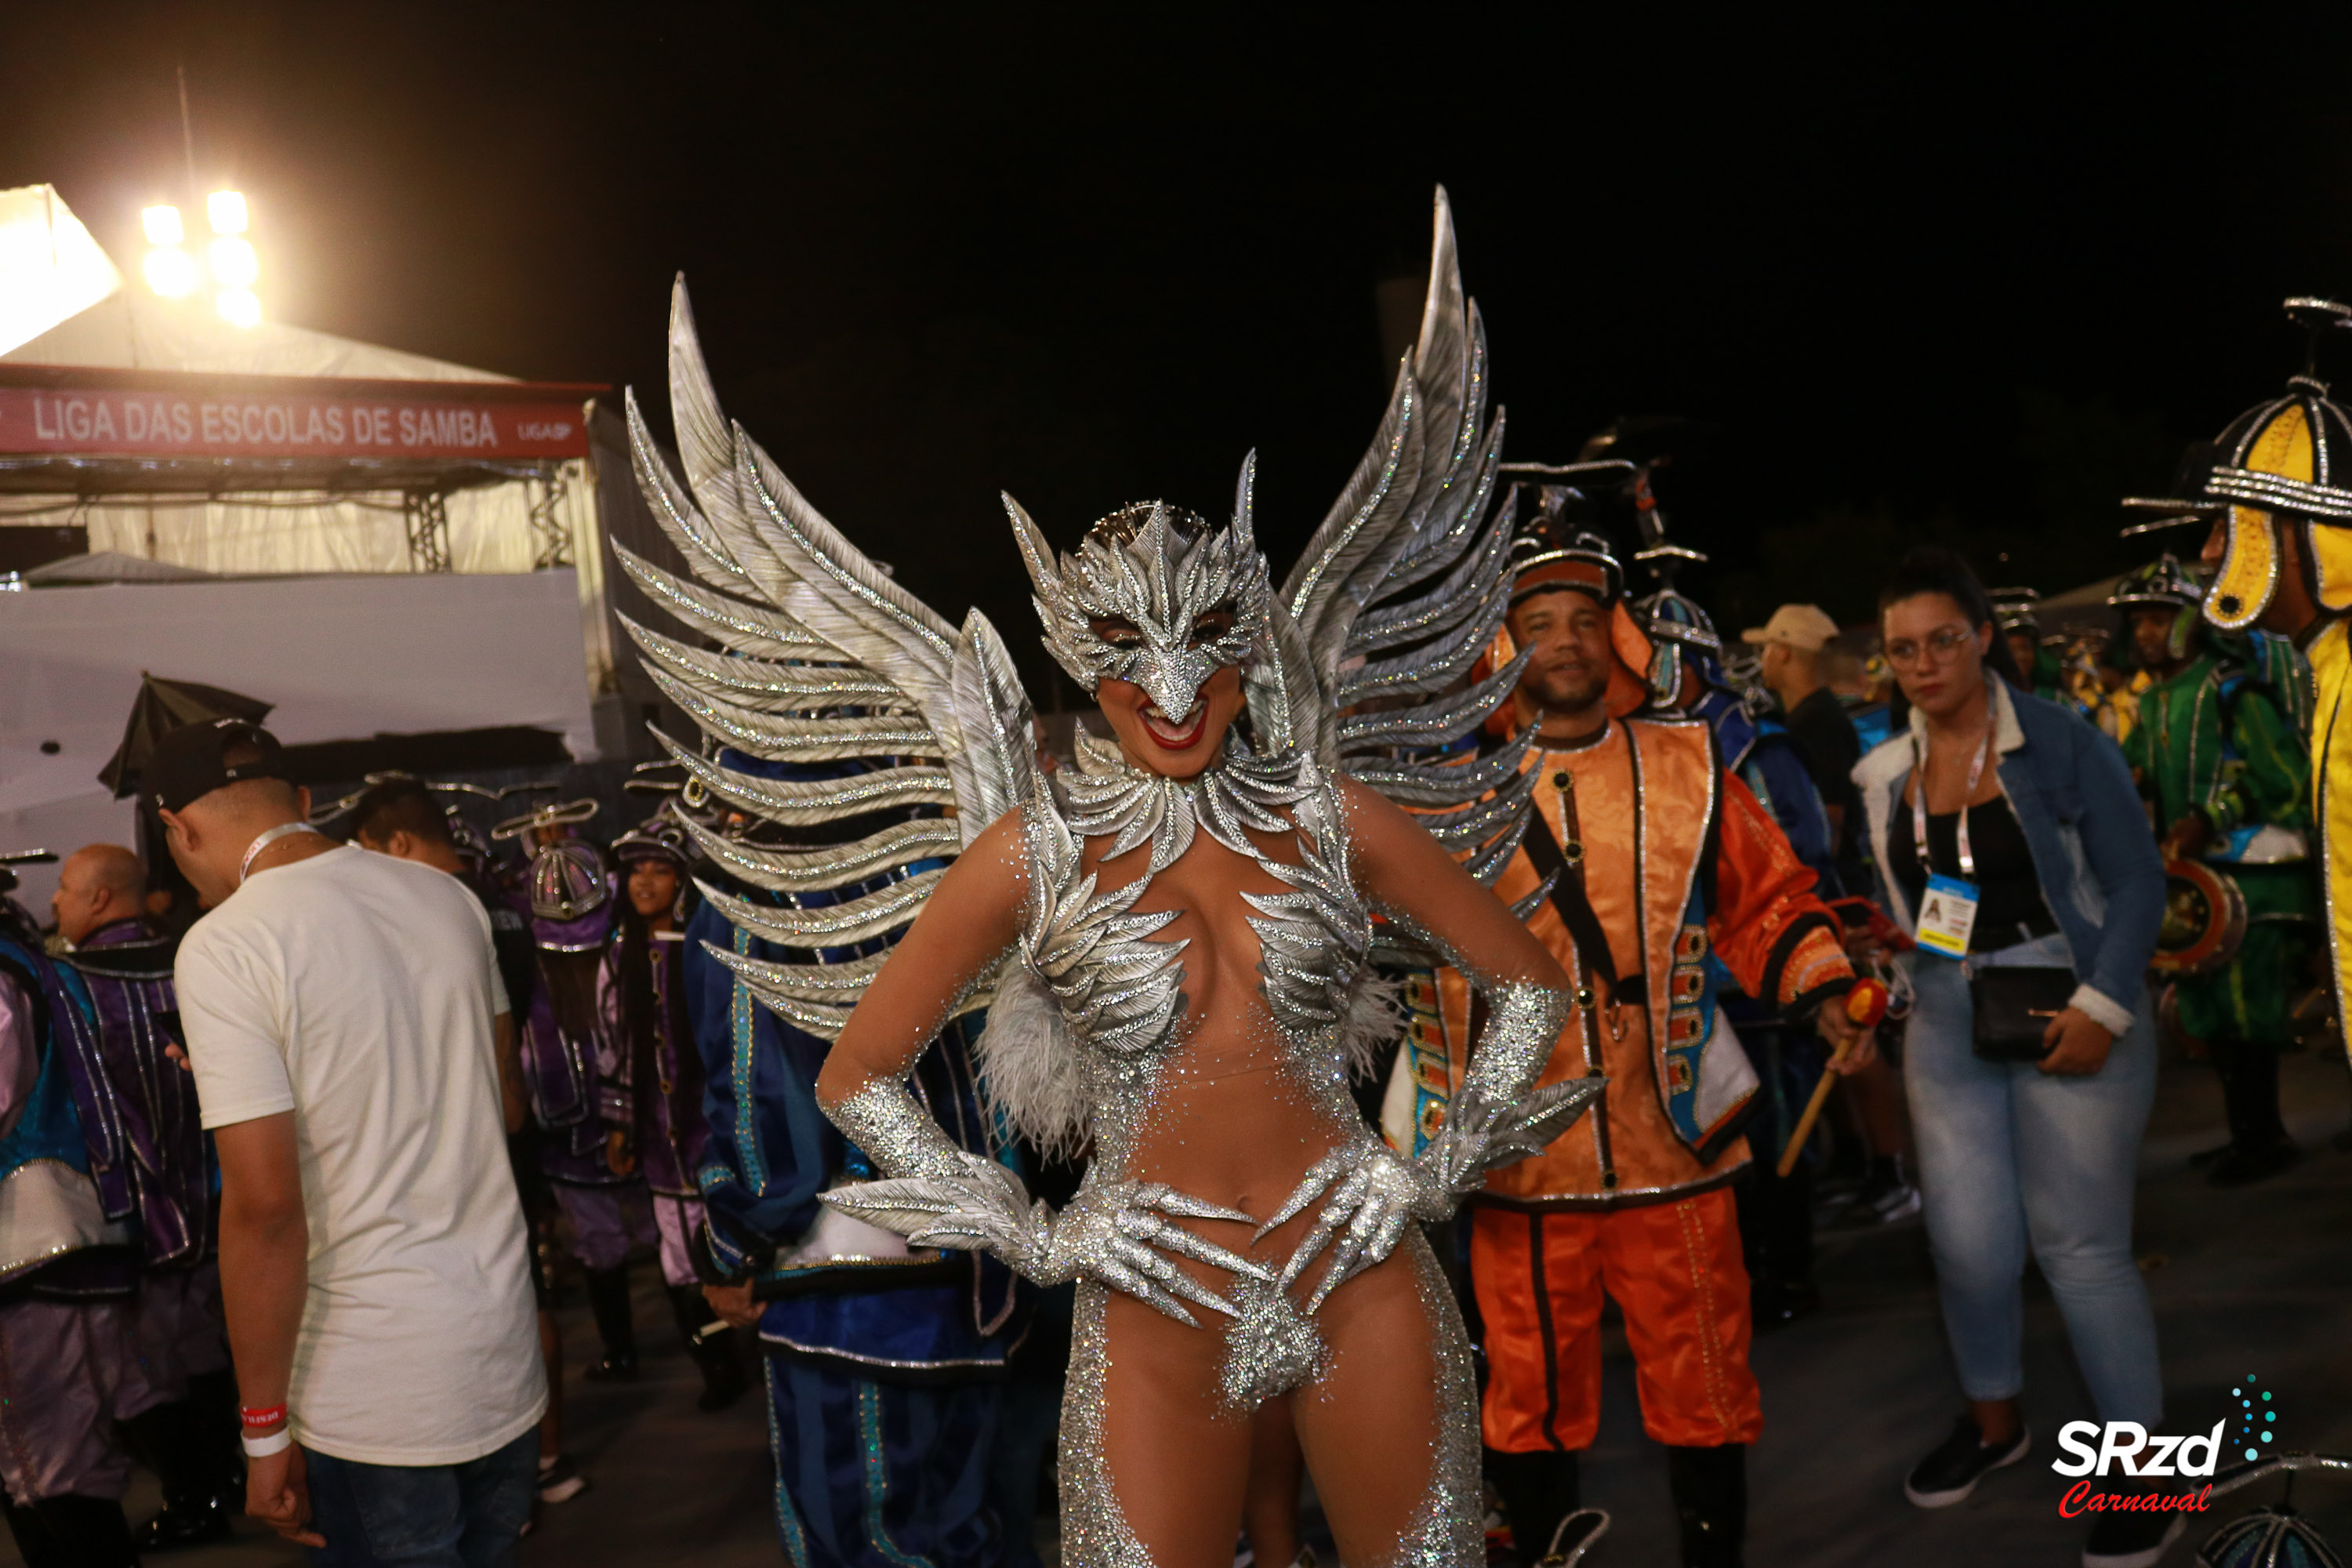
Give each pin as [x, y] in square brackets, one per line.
[2014, 1154]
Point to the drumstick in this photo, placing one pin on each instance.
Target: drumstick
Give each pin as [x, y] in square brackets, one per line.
[1865, 1004]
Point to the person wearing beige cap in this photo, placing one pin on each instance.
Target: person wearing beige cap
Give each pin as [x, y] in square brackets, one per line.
[1806, 628]
[1795, 643]
[1792, 644]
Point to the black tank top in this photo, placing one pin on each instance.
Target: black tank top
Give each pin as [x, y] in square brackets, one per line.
[2010, 907]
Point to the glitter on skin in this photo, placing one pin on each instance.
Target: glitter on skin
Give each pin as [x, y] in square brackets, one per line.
[1119, 991]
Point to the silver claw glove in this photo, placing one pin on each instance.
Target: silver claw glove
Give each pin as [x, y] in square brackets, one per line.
[1496, 1119]
[952, 1198]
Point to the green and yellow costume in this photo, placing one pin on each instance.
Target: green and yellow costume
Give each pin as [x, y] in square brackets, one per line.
[2284, 509]
[2224, 737]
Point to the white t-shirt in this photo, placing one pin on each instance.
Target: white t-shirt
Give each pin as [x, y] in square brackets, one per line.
[358, 991]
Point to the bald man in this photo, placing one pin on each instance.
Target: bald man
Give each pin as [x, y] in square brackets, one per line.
[99, 885]
[138, 1116]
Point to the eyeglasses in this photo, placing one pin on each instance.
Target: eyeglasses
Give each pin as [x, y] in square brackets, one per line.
[1943, 643]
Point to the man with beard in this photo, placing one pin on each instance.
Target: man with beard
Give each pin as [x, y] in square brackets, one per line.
[1657, 859]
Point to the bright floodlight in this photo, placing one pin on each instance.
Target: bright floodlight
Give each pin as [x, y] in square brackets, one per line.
[171, 271]
[235, 266]
[227, 211]
[238, 307]
[162, 224]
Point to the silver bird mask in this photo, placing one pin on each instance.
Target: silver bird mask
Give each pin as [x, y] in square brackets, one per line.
[1160, 569]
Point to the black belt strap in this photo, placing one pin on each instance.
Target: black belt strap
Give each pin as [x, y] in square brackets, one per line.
[1568, 897]
[1593, 956]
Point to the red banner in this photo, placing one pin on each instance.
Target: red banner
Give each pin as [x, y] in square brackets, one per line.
[133, 423]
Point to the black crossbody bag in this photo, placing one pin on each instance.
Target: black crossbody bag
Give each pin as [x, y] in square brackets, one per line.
[2013, 1005]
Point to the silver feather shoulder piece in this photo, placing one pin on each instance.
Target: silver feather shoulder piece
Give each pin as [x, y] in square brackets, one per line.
[820, 658]
[1401, 588]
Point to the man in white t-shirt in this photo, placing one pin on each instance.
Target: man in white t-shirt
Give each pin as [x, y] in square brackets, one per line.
[339, 1012]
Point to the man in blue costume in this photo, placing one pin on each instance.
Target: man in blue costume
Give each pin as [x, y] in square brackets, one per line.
[886, 1366]
[1776, 1212]
[153, 1169]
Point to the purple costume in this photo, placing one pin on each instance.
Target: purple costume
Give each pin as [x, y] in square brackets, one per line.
[138, 1107]
[652, 1091]
[653, 1082]
[567, 894]
[66, 1371]
[147, 1149]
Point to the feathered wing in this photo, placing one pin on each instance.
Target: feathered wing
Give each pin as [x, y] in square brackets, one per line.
[1401, 589]
[820, 658]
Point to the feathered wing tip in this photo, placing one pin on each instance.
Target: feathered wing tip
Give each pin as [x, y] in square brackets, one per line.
[886, 679]
[996, 768]
[1029, 1069]
[1245, 501]
[704, 444]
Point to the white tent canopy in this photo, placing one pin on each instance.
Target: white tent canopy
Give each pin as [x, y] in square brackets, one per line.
[50, 268]
[78, 313]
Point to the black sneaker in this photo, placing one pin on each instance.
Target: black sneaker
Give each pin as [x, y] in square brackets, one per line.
[2240, 1167]
[2131, 1540]
[193, 1520]
[1949, 1474]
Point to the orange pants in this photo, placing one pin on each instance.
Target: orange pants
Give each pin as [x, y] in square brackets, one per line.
[1675, 1269]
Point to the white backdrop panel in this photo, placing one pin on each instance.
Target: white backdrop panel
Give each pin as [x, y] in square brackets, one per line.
[342, 657]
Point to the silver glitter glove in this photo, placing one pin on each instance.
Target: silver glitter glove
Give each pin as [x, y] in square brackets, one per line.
[948, 1197]
[1497, 1120]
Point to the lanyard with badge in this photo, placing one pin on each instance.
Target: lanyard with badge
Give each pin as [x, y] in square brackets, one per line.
[1948, 910]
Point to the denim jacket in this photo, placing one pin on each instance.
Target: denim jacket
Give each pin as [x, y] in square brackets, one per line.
[2074, 799]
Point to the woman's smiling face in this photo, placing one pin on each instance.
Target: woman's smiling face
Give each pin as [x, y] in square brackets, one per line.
[1178, 745]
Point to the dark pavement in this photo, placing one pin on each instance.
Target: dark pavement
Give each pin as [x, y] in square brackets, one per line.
[2256, 1282]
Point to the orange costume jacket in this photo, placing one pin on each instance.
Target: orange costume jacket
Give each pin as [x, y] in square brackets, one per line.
[1680, 865]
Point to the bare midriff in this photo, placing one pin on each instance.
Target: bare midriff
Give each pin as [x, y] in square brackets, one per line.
[1231, 1123]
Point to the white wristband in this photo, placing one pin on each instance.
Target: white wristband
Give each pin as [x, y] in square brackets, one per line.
[277, 1442]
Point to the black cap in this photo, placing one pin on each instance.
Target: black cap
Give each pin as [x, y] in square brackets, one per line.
[186, 765]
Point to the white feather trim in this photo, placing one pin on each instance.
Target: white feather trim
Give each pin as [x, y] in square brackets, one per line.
[1029, 1068]
[1031, 1074]
[1375, 1021]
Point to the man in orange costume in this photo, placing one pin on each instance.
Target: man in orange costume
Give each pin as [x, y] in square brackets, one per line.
[1662, 860]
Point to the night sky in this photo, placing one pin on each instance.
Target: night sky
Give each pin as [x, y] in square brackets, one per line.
[1961, 278]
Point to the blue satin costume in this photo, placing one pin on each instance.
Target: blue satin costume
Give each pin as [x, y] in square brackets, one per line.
[884, 1379]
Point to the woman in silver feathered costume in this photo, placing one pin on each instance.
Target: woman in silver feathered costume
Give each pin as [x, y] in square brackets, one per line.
[1176, 940]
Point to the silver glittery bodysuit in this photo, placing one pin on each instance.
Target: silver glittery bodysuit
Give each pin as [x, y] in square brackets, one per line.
[1361, 665]
[1119, 990]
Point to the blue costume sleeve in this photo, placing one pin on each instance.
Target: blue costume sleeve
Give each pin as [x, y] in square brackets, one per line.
[1777, 775]
[2124, 862]
[771, 1149]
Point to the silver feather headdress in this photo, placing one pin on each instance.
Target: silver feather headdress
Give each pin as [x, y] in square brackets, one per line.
[1160, 570]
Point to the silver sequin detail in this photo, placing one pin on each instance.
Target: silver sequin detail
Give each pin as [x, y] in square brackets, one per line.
[1271, 1348]
[1172, 570]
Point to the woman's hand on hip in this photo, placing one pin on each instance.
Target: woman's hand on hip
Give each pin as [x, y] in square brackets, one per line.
[2075, 1045]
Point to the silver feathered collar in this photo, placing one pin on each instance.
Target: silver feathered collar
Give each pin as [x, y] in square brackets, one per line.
[1107, 794]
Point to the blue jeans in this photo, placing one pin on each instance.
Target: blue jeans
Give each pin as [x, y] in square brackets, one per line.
[428, 1516]
[2009, 1156]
